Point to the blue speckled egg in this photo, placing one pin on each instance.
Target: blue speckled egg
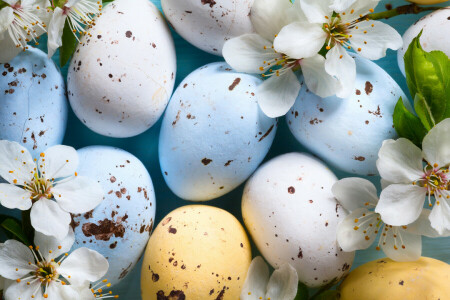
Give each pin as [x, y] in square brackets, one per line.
[33, 105]
[119, 228]
[213, 134]
[348, 133]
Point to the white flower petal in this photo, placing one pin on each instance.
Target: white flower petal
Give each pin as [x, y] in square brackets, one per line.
[78, 195]
[83, 265]
[358, 9]
[277, 94]
[350, 234]
[256, 281]
[436, 144]
[317, 79]
[16, 164]
[13, 197]
[269, 16]
[300, 40]
[404, 247]
[283, 283]
[384, 183]
[248, 52]
[401, 204]
[51, 247]
[8, 49]
[57, 291]
[22, 290]
[354, 193]
[440, 216]
[378, 38]
[400, 161]
[422, 225]
[341, 5]
[14, 259]
[48, 218]
[2, 283]
[342, 66]
[86, 294]
[58, 162]
[295, 13]
[6, 17]
[316, 10]
[55, 31]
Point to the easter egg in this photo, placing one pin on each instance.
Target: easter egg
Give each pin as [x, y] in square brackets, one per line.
[348, 133]
[119, 228]
[292, 217]
[208, 24]
[196, 252]
[426, 278]
[436, 30]
[33, 105]
[121, 77]
[213, 133]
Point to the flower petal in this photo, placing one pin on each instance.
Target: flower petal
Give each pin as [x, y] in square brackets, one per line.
[78, 195]
[354, 193]
[16, 164]
[400, 161]
[300, 40]
[57, 291]
[341, 5]
[48, 218]
[14, 259]
[358, 9]
[59, 162]
[436, 144]
[269, 16]
[350, 232]
[400, 245]
[440, 216]
[55, 31]
[371, 39]
[317, 79]
[401, 204]
[248, 52]
[422, 225]
[21, 290]
[8, 49]
[316, 10]
[83, 265]
[342, 66]
[256, 281]
[283, 283]
[7, 17]
[13, 197]
[277, 94]
[51, 247]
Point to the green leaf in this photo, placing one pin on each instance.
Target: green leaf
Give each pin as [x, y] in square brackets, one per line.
[302, 292]
[327, 295]
[69, 44]
[428, 74]
[14, 228]
[408, 125]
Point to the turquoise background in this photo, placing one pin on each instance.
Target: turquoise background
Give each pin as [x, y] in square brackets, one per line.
[145, 147]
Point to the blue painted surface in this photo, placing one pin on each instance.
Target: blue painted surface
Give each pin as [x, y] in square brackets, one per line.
[145, 147]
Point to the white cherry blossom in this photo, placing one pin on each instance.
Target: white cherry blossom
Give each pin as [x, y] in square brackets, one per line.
[415, 176]
[50, 186]
[361, 227]
[282, 285]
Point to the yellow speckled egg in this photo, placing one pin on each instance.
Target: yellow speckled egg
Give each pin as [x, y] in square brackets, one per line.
[196, 252]
[424, 279]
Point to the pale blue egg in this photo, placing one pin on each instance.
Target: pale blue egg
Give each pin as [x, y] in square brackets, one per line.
[119, 228]
[348, 133]
[33, 105]
[213, 134]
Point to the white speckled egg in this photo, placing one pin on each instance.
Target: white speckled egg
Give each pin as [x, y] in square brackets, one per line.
[213, 134]
[292, 216]
[348, 133]
[33, 105]
[435, 36]
[208, 24]
[121, 77]
[119, 228]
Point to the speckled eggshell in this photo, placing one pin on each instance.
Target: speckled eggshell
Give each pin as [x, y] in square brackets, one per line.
[33, 105]
[119, 228]
[121, 77]
[348, 133]
[196, 252]
[292, 216]
[208, 24]
[213, 134]
[435, 36]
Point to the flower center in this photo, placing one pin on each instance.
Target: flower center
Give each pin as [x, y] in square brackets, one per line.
[82, 15]
[278, 65]
[46, 271]
[40, 187]
[435, 180]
